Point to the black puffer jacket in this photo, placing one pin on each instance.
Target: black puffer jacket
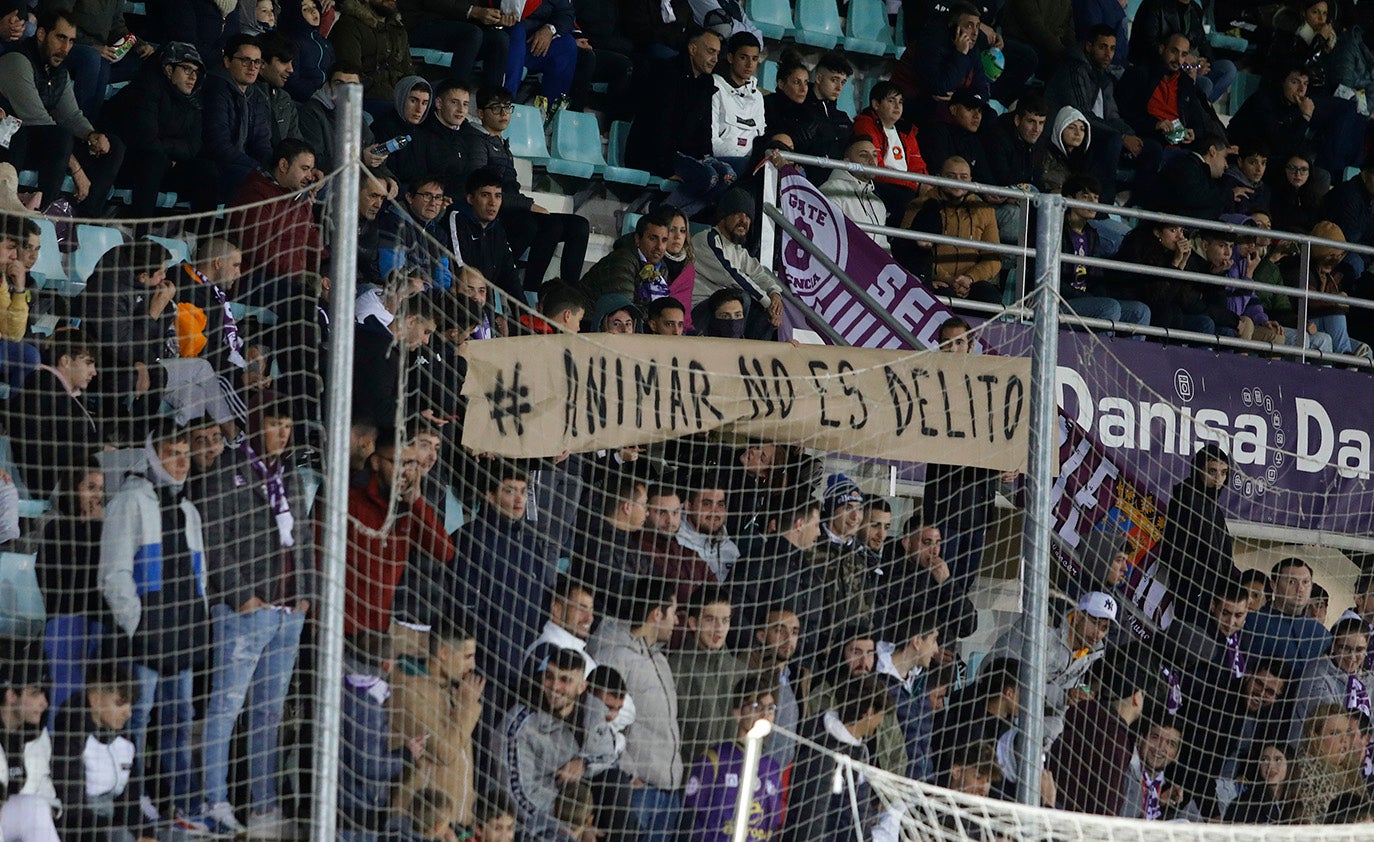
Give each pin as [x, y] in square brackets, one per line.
[153, 117]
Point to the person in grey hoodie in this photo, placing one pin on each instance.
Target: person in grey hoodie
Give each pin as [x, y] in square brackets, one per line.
[1340, 677]
[653, 743]
[152, 572]
[261, 588]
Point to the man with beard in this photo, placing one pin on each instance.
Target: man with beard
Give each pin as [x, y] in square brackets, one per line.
[723, 262]
[658, 542]
[1196, 548]
[703, 528]
[775, 646]
[919, 580]
[960, 271]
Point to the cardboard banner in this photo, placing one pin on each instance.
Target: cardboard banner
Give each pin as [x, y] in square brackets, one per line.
[539, 396]
[1092, 493]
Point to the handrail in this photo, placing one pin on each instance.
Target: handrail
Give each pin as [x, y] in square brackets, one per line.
[1121, 210]
[944, 240]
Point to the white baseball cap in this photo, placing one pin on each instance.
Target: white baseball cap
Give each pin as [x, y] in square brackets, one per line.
[1098, 604]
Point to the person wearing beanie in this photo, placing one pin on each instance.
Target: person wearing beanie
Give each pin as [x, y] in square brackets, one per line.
[839, 555]
[261, 587]
[153, 575]
[723, 262]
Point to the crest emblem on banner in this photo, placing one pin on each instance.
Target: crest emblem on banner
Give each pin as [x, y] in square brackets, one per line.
[815, 217]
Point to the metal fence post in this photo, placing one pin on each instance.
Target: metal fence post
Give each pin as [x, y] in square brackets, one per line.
[1038, 523]
[343, 288]
[768, 233]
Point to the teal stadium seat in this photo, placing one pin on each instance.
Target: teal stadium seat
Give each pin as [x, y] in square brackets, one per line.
[846, 101]
[898, 35]
[768, 75]
[615, 152]
[526, 135]
[434, 58]
[181, 252]
[772, 17]
[818, 23]
[92, 241]
[628, 223]
[576, 147]
[866, 30]
[48, 270]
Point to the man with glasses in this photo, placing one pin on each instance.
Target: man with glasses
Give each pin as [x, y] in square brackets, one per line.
[238, 137]
[406, 235]
[161, 120]
[37, 88]
[530, 226]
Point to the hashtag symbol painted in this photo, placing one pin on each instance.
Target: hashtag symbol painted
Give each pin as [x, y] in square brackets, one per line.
[509, 404]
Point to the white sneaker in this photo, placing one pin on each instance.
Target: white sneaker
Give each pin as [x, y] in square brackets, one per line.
[149, 809]
[272, 825]
[220, 819]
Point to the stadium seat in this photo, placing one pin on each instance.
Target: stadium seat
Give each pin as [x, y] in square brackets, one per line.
[866, 29]
[23, 615]
[869, 83]
[768, 76]
[434, 58]
[628, 222]
[92, 241]
[818, 23]
[772, 17]
[135, 8]
[898, 35]
[181, 252]
[846, 102]
[576, 147]
[48, 270]
[615, 151]
[526, 135]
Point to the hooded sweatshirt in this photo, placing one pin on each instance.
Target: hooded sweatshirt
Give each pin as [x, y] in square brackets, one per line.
[1059, 161]
[314, 53]
[408, 162]
[737, 117]
[152, 569]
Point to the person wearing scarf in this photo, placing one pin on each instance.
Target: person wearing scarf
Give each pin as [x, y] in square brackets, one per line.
[1339, 678]
[636, 269]
[260, 589]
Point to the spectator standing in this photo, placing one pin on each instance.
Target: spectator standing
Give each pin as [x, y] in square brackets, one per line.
[161, 610]
[704, 528]
[278, 65]
[705, 672]
[713, 786]
[901, 665]
[260, 589]
[1196, 547]
[1089, 762]
[37, 87]
[815, 809]
[653, 743]
[1282, 630]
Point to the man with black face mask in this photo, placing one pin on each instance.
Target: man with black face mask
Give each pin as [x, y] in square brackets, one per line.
[723, 262]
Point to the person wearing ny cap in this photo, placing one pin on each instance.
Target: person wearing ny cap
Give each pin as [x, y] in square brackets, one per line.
[159, 116]
[1074, 647]
[722, 262]
[959, 134]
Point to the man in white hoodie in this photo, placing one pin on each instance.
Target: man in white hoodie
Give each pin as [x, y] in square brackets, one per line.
[737, 106]
[853, 193]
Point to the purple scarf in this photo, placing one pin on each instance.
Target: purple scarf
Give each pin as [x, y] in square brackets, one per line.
[275, 480]
[1235, 659]
[1149, 788]
[231, 328]
[1174, 700]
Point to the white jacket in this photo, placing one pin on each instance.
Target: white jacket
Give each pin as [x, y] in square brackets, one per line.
[856, 199]
[736, 118]
[37, 769]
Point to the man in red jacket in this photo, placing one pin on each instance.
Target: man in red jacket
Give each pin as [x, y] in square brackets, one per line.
[377, 558]
[280, 236]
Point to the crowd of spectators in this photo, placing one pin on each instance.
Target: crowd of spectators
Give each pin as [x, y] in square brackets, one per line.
[584, 652]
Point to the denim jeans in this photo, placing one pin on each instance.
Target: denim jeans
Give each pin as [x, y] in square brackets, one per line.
[1218, 80]
[1334, 326]
[254, 654]
[659, 812]
[1112, 309]
[70, 641]
[703, 181]
[172, 695]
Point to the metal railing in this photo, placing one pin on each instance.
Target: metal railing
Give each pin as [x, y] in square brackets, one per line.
[1302, 293]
